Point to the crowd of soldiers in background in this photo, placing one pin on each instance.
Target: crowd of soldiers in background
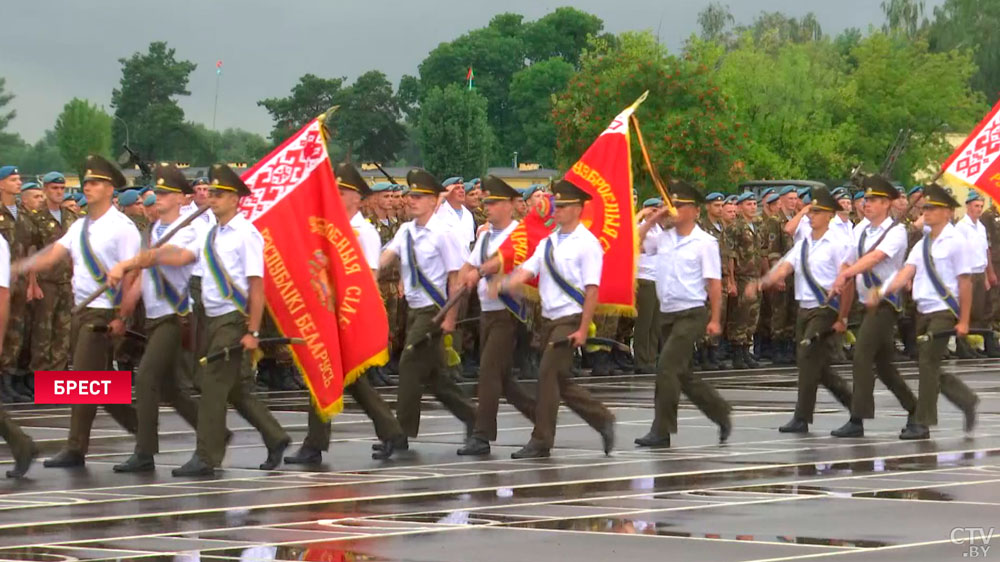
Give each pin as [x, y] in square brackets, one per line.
[754, 231]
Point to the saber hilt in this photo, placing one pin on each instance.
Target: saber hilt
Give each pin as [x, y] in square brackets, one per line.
[595, 341]
[823, 334]
[435, 333]
[99, 329]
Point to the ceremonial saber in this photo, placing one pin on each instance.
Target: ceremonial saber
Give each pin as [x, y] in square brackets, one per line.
[224, 353]
[822, 334]
[452, 302]
[595, 341]
[104, 287]
[949, 333]
[106, 329]
[437, 332]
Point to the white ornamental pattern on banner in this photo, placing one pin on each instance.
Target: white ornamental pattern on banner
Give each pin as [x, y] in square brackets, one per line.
[980, 154]
[280, 175]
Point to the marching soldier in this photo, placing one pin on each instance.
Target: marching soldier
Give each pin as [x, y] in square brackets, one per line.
[498, 322]
[816, 261]
[164, 293]
[50, 329]
[688, 273]
[747, 265]
[871, 266]
[713, 224]
[568, 266]
[430, 257]
[353, 189]
[940, 267]
[233, 295]
[22, 446]
[983, 276]
[95, 243]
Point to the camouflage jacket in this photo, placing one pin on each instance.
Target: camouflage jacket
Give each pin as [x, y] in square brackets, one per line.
[774, 238]
[386, 232]
[745, 237]
[18, 232]
[725, 248]
[991, 221]
[47, 231]
[141, 222]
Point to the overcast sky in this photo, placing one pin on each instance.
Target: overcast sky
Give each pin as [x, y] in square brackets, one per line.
[54, 50]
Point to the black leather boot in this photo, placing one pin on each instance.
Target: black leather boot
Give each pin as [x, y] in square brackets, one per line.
[748, 358]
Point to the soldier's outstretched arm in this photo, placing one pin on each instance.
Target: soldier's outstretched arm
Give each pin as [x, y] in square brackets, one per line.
[44, 260]
[386, 259]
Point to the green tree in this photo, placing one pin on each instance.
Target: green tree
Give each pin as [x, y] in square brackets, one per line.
[532, 95]
[563, 33]
[686, 121]
[454, 132]
[714, 21]
[10, 143]
[145, 103]
[82, 129]
[368, 125]
[971, 25]
[773, 29]
[310, 98]
[904, 16]
[41, 157]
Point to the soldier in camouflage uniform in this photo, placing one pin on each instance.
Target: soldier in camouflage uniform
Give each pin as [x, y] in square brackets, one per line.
[747, 265]
[388, 282]
[17, 228]
[50, 329]
[712, 223]
[783, 307]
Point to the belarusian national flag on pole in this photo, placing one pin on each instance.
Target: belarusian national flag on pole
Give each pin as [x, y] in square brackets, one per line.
[605, 172]
[469, 76]
[976, 163]
[317, 282]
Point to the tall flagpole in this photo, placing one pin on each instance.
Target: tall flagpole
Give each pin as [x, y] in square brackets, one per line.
[218, 76]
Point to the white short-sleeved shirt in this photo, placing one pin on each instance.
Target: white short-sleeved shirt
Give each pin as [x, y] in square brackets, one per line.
[476, 260]
[113, 238]
[4, 263]
[893, 246]
[438, 252]
[647, 261]
[178, 277]
[842, 227]
[460, 224]
[368, 239]
[202, 225]
[240, 248]
[864, 222]
[826, 255]
[578, 259]
[978, 247]
[951, 259]
[683, 265]
[804, 229]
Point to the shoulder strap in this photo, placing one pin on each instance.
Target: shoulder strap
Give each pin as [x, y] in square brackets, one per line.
[824, 299]
[932, 274]
[566, 287]
[417, 277]
[225, 283]
[95, 267]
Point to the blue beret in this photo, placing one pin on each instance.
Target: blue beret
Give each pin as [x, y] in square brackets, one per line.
[6, 171]
[842, 194]
[474, 181]
[859, 195]
[745, 196]
[973, 196]
[149, 201]
[451, 180]
[200, 181]
[731, 199]
[527, 192]
[53, 177]
[470, 185]
[652, 202]
[714, 196]
[803, 191]
[81, 200]
[787, 189]
[381, 186]
[128, 197]
[807, 198]
[915, 189]
[30, 185]
[771, 198]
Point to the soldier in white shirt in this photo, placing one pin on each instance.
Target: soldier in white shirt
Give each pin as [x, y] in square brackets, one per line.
[816, 262]
[353, 189]
[233, 294]
[453, 213]
[940, 267]
[983, 276]
[431, 256]
[647, 304]
[870, 266]
[95, 243]
[164, 293]
[498, 322]
[688, 273]
[21, 445]
[568, 266]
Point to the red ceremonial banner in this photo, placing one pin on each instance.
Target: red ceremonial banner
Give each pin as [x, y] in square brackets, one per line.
[523, 240]
[317, 282]
[605, 172]
[976, 163]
